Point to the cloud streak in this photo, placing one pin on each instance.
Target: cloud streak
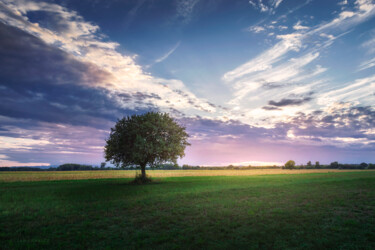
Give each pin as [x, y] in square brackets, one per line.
[170, 52]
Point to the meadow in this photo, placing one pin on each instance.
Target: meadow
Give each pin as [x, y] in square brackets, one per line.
[309, 209]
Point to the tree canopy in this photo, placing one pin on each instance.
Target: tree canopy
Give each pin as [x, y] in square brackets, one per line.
[148, 139]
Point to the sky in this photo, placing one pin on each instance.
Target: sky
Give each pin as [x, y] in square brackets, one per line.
[255, 82]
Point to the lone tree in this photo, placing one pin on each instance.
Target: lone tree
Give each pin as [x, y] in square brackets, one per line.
[148, 139]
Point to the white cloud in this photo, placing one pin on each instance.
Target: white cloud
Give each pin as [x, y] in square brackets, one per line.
[264, 6]
[344, 2]
[359, 91]
[367, 64]
[273, 66]
[256, 29]
[298, 26]
[266, 59]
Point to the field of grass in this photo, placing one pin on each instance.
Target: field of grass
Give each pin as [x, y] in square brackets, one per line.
[97, 174]
[317, 210]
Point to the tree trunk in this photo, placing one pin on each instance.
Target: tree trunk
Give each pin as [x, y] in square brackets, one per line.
[143, 169]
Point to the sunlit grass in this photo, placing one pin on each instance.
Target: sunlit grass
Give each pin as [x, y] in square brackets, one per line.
[98, 174]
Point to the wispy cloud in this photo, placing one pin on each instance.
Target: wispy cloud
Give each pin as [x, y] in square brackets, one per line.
[271, 65]
[185, 9]
[298, 26]
[264, 6]
[369, 45]
[367, 64]
[170, 52]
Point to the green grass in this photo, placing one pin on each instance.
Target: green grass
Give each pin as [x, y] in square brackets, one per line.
[335, 210]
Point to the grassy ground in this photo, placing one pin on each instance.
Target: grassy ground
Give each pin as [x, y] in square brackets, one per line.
[97, 174]
[321, 210]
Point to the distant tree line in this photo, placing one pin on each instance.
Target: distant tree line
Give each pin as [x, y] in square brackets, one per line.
[334, 165]
[170, 166]
[63, 167]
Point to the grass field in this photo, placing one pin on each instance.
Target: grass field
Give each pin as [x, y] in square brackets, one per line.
[317, 210]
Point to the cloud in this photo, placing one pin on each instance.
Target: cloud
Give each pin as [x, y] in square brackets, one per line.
[5, 162]
[294, 41]
[289, 102]
[369, 45]
[185, 10]
[367, 64]
[298, 26]
[270, 108]
[344, 2]
[62, 81]
[256, 29]
[262, 6]
[359, 91]
[267, 58]
[292, 63]
[55, 143]
[170, 52]
[339, 124]
[84, 42]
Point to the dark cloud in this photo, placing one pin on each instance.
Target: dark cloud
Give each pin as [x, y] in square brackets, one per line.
[270, 108]
[25, 57]
[290, 102]
[272, 85]
[42, 83]
[352, 122]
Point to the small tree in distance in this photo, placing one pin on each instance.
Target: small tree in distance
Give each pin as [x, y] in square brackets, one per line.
[102, 165]
[290, 164]
[317, 164]
[148, 139]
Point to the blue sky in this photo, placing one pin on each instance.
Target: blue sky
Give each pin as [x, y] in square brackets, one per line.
[254, 82]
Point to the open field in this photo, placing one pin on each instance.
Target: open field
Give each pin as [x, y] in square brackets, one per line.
[98, 174]
[301, 211]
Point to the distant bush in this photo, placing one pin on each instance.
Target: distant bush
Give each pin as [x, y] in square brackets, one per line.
[363, 165]
[317, 164]
[290, 164]
[73, 166]
[334, 164]
[167, 166]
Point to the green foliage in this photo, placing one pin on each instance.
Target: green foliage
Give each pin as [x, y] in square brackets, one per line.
[317, 164]
[149, 139]
[363, 165]
[290, 164]
[73, 166]
[167, 166]
[334, 164]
